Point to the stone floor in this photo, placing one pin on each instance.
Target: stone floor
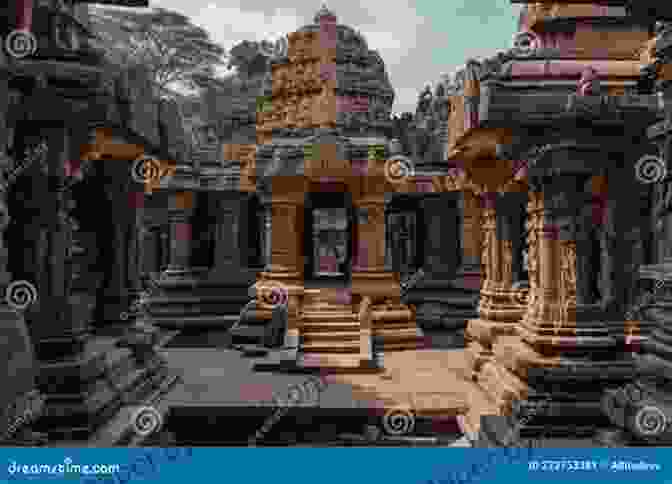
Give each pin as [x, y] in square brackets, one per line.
[223, 385]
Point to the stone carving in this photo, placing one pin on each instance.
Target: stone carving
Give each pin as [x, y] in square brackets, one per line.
[567, 276]
[507, 262]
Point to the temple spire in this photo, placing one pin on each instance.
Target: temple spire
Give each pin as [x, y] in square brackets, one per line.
[324, 15]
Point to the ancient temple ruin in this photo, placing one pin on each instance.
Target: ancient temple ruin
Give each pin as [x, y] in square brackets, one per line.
[320, 166]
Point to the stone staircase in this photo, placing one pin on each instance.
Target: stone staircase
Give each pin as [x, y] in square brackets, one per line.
[194, 304]
[330, 333]
[394, 328]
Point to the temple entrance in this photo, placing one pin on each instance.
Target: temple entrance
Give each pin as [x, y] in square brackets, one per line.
[328, 239]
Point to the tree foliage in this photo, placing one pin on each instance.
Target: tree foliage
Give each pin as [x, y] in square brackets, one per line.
[177, 52]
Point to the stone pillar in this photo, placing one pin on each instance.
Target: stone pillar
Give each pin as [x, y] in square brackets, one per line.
[19, 376]
[433, 292]
[282, 281]
[468, 275]
[53, 329]
[500, 306]
[179, 214]
[441, 245]
[114, 296]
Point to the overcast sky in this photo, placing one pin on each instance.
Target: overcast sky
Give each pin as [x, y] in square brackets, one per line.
[418, 39]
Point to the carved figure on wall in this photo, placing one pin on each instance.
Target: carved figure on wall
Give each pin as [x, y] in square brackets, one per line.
[507, 262]
[567, 277]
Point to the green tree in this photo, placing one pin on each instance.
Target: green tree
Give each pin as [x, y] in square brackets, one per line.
[178, 53]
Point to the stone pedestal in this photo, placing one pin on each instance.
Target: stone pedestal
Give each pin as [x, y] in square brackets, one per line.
[640, 411]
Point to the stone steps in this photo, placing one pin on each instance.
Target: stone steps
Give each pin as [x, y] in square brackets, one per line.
[312, 336]
[329, 360]
[326, 346]
[313, 326]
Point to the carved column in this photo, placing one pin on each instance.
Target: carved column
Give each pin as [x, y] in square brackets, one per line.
[561, 347]
[434, 292]
[114, 295]
[19, 396]
[282, 281]
[53, 329]
[500, 306]
[179, 215]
